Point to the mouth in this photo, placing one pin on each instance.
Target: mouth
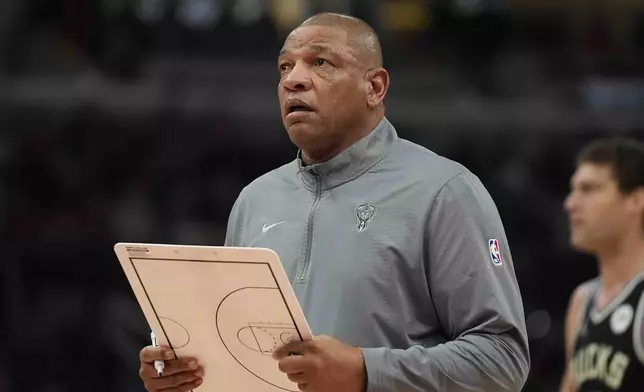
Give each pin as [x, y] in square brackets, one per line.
[575, 222]
[297, 106]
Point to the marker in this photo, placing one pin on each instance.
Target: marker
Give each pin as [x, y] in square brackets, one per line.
[158, 364]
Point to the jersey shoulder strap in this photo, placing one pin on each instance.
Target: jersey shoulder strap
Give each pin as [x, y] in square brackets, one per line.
[590, 287]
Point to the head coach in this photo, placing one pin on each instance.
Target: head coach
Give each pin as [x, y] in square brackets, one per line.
[397, 255]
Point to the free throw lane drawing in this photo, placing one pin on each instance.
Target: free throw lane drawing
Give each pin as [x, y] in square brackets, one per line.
[265, 337]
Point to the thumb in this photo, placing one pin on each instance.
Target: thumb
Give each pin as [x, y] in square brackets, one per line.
[292, 347]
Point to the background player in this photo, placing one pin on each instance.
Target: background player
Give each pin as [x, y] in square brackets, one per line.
[604, 323]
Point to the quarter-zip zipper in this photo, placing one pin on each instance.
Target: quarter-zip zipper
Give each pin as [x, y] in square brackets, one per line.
[309, 227]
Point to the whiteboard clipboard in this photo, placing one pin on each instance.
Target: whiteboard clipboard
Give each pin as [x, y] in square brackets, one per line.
[229, 307]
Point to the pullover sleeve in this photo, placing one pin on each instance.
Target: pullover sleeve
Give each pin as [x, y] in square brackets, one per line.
[475, 293]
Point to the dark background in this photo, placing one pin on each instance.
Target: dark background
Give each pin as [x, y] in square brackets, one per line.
[142, 120]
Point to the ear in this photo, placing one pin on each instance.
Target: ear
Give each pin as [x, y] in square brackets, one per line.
[637, 198]
[378, 84]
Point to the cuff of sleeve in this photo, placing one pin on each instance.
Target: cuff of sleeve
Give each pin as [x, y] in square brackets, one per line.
[374, 359]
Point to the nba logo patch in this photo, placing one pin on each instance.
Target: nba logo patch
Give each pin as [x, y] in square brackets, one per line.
[495, 251]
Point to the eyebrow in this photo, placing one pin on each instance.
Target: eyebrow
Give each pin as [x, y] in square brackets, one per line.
[313, 48]
[587, 182]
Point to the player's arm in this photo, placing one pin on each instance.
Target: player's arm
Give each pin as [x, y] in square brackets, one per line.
[573, 315]
[478, 303]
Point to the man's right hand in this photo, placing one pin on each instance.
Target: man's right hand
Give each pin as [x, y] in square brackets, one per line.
[179, 375]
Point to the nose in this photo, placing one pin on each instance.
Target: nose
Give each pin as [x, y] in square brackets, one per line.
[570, 203]
[298, 79]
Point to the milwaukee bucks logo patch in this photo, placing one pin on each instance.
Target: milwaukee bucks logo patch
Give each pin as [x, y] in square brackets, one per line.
[364, 213]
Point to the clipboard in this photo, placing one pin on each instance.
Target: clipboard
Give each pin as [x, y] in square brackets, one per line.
[229, 307]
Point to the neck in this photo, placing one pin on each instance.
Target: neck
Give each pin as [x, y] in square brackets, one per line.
[353, 135]
[618, 264]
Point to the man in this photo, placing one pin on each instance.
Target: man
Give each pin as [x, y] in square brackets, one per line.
[395, 253]
[604, 325]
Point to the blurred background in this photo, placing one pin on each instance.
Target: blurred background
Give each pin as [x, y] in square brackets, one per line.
[141, 120]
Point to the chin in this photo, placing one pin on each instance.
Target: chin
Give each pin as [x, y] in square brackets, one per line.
[581, 244]
[297, 126]
[302, 134]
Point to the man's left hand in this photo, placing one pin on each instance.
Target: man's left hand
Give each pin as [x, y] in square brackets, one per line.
[324, 364]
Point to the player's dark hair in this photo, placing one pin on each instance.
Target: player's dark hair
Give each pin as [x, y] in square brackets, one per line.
[624, 155]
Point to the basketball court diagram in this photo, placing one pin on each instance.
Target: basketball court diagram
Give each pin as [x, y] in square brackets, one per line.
[252, 323]
[229, 307]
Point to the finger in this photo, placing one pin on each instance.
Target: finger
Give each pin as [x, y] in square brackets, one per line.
[150, 354]
[302, 386]
[189, 386]
[147, 372]
[173, 381]
[180, 365]
[295, 364]
[170, 367]
[297, 347]
[298, 378]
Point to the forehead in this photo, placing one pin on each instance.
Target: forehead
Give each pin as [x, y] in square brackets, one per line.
[595, 173]
[316, 38]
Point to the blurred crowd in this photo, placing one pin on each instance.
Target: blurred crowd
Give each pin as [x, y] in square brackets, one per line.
[79, 175]
[116, 36]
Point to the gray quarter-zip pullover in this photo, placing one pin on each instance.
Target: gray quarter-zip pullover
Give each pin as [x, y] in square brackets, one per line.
[401, 252]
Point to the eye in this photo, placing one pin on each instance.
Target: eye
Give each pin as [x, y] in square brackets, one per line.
[319, 62]
[588, 188]
[283, 67]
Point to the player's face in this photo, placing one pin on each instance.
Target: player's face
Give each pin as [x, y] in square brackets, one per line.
[322, 89]
[597, 210]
